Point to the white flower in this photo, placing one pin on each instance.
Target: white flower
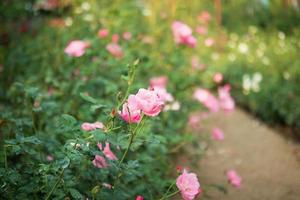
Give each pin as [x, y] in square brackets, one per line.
[85, 6]
[215, 56]
[281, 35]
[69, 21]
[243, 48]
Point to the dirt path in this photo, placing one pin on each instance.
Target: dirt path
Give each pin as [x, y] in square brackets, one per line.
[266, 161]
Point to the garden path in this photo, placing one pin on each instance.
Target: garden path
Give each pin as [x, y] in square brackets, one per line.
[268, 163]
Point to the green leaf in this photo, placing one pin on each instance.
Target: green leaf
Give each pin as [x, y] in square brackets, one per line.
[88, 98]
[70, 120]
[75, 194]
[64, 163]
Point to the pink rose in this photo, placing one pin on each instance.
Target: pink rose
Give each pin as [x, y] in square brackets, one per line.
[50, 158]
[204, 17]
[139, 197]
[207, 99]
[149, 102]
[209, 42]
[115, 50]
[115, 38]
[160, 81]
[188, 185]
[225, 100]
[234, 179]
[76, 48]
[131, 111]
[127, 35]
[183, 34]
[99, 162]
[108, 153]
[201, 30]
[92, 126]
[163, 94]
[218, 77]
[217, 134]
[103, 33]
[107, 185]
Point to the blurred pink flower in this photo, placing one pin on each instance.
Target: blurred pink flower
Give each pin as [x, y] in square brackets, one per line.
[149, 102]
[225, 100]
[92, 126]
[108, 153]
[50, 158]
[218, 77]
[188, 185]
[201, 30]
[115, 50]
[131, 111]
[103, 33]
[204, 17]
[127, 35]
[160, 81]
[196, 65]
[183, 34]
[99, 162]
[207, 99]
[76, 48]
[107, 185]
[115, 38]
[217, 134]
[163, 94]
[234, 179]
[209, 42]
[195, 119]
[139, 197]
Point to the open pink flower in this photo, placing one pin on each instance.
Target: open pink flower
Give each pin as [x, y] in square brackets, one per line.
[183, 34]
[218, 77]
[103, 33]
[115, 50]
[139, 197]
[115, 38]
[126, 35]
[92, 126]
[207, 99]
[131, 111]
[76, 48]
[217, 134]
[160, 81]
[188, 185]
[225, 100]
[108, 153]
[149, 102]
[201, 30]
[99, 162]
[234, 179]
[163, 94]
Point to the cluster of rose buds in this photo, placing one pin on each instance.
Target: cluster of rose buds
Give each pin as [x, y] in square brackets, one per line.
[183, 34]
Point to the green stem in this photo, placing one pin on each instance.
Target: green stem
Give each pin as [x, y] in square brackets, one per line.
[169, 189]
[56, 183]
[170, 195]
[5, 157]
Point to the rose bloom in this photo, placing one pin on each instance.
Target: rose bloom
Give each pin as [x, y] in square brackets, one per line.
[163, 94]
[188, 185]
[225, 100]
[131, 111]
[234, 179]
[108, 153]
[115, 38]
[76, 48]
[201, 30]
[183, 34]
[99, 162]
[207, 99]
[149, 102]
[160, 81]
[107, 185]
[103, 33]
[92, 126]
[209, 42]
[204, 17]
[217, 134]
[218, 77]
[139, 197]
[115, 50]
[126, 35]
